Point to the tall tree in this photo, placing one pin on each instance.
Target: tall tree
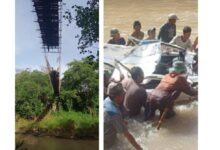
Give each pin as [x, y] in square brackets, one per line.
[87, 18]
[81, 79]
[33, 89]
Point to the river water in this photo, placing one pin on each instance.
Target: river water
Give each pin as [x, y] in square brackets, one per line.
[180, 132]
[51, 143]
[151, 13]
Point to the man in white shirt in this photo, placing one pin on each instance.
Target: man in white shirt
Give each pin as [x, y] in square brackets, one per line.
[183, 40]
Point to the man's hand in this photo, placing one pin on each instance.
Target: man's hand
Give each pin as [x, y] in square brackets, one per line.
[132, 140]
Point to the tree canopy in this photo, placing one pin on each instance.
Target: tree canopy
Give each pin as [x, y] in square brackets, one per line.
[87, 18]
[82, 77]
[32, 89]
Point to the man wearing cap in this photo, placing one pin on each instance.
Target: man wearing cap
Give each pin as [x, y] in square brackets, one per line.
[183, 40]
[113, 121]
[151, 34]
[168, 30]
[137, 33]
[136, 95]
[168, 90]
[116, 39]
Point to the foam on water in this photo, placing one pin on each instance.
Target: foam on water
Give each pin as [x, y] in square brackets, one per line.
[178, 133]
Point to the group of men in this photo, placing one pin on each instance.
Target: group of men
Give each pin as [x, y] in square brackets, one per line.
[126, 97]
[166, 34]
[137, 34]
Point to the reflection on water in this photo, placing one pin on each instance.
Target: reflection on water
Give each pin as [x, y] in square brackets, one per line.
[51, 143]
[178, 133]
[151, 13]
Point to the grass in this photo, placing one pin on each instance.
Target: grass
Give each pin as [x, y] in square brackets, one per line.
[82, 124]
[22, 123]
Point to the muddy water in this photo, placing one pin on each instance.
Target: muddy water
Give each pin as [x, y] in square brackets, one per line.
[51, 143]
[151, 13]
[178, 133]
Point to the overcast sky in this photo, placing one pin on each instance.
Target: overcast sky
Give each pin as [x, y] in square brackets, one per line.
[28, 51]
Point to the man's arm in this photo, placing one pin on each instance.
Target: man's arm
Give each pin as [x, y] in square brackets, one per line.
[120, 127]
[142, 35]
[173, 41]
[161, 32]
[159, 35]
[123, 41]
[186, 88]
[132, 140]
[117, 81]
[190, 46]
[110, 41]
[175, 30]
[195, 44]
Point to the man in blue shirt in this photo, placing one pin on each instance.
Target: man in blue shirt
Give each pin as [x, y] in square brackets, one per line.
[113, 121]
[168, 30]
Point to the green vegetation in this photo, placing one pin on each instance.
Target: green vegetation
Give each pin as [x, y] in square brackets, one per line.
[87, 19]
[76, 124]
[78, 101]
[32, 89]
[82, 124]
[80, 86]
[22, 123]
[63, 119]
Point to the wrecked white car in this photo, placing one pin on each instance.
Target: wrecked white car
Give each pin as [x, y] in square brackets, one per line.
[154, 57]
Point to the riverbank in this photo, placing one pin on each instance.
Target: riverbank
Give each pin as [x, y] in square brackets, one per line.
[69, 125]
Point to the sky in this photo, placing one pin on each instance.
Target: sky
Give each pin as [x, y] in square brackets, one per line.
[28, 51]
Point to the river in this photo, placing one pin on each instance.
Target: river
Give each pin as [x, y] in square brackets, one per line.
[52, 143]
[180, 132]
[151, 13]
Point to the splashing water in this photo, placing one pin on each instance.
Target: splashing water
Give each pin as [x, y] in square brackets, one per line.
[178, 133]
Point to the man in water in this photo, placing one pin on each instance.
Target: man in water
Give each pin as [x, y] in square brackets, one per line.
[168, 30]
[136, 95]
[113, 121]
[116, 39]
[168, 90]
[183, 40]
[137, 33]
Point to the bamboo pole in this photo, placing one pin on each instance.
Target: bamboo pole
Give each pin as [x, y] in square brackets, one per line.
[162, 118]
